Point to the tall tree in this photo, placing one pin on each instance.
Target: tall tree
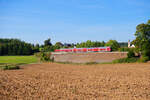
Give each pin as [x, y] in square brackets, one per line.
[47, 42]
[142, 41]
[58, 45]
[15, 47]
[113, 44]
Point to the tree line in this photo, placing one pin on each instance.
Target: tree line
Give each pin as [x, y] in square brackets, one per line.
[16, 47]
[112, 43]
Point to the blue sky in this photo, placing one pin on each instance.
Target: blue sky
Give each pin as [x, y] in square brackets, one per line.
[72, 20]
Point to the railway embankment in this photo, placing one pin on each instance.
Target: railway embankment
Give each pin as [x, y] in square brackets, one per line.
[99, 57]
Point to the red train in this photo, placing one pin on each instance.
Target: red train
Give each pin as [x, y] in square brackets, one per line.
[94, 49]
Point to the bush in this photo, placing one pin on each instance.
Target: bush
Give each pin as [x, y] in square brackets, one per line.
[126, 60]
[144, 59]
[38, 54]
[113, 44]
[125, 49]
[146, 53]
[44, 56]
[131, 54]
[91, 63]
[10, 67]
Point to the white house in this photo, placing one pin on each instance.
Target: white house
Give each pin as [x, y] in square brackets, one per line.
[130, 45]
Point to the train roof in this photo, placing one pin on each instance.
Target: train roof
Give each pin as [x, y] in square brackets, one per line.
[82, 48]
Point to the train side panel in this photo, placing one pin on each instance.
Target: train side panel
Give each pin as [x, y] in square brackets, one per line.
[97, 49]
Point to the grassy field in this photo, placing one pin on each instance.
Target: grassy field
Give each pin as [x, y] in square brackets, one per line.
[17, 59]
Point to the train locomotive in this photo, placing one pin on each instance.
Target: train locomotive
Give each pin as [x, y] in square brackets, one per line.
[94, 49]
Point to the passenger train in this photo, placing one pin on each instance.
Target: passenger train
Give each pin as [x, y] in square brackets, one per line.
[93, 49]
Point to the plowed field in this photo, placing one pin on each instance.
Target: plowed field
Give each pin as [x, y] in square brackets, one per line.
[51, 81]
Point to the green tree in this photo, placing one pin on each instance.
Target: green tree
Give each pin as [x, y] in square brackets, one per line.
[15, 47]
[148, 22]
[103, 43]
[131, 54]
[1, 49]
[47, 42]
[142, 41]
[58, 45]
[88, 43]
[48, 45]
[113, 44]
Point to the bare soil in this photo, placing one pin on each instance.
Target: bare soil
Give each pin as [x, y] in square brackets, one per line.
[51, 81]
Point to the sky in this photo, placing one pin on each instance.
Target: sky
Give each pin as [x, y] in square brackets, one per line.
[72, 21]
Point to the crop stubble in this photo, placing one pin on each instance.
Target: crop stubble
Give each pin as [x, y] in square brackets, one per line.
[76, 82]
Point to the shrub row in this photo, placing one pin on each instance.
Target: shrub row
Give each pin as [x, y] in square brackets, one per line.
[10, 67]
[125, 49]
[126, 60]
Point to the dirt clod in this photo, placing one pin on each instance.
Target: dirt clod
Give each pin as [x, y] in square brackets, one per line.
[51, 81]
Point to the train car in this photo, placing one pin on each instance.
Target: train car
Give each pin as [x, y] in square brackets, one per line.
[94, 49]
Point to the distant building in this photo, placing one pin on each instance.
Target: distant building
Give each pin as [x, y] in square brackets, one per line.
[130, 45]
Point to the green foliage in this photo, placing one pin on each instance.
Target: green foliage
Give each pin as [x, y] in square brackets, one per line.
[10, 67]
[91, 63]
[126, 60]
[58, 45]
[142, 41]
[113, 44]
[146, 49]
[47, 47]
[38, 54]
[16, 47]
[36, 48]
[131, 54]
[142, 36]
[47, 42]
[41, 49]
[125, 49]
[148, 22]
[144, 59]
[44, 56]
[90, 43]
[123, 44]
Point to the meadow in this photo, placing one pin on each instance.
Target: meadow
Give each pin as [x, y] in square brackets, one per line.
[18, 60]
